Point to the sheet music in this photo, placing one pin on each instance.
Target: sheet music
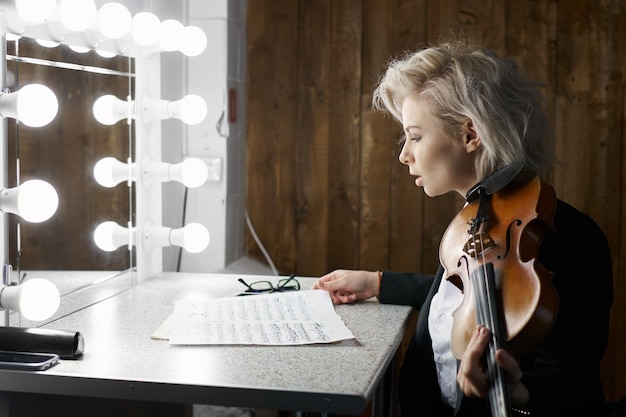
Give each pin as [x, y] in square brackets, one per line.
[287, 318]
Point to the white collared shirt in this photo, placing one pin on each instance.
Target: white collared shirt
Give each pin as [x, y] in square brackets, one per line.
[440, 319]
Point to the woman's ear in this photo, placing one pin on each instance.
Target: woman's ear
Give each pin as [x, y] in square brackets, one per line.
[471, 140]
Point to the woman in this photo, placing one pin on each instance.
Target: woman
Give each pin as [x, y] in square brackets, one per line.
[467, 113]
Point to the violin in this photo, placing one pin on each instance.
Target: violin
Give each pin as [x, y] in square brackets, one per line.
[489, 252]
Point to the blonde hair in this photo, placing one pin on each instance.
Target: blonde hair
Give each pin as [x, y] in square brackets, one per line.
[463, 82]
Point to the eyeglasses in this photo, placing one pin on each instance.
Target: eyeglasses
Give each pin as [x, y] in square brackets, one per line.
[266, 287]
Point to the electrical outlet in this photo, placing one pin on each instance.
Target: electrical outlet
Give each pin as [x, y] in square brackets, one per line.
[215, 166]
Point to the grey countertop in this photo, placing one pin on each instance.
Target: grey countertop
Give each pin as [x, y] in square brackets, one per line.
[121, 360]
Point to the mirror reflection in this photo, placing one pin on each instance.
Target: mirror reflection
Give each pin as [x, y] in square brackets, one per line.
[64, 154]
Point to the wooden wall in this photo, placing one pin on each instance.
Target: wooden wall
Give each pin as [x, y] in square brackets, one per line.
[325, 188]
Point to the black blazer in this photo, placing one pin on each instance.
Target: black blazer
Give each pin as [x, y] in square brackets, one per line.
[563, 372]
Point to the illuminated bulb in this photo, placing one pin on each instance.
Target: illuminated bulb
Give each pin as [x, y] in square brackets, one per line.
[109, 109]
[109, 172]
[35, 201]
[79, 49]
[36, 299]
[114, 20]
[78, 15]
[34, 105]
[171, 35]
[194, 41]
[47, 43]
[109, 236]
[194, 237]
[105, 54]
[192, 172]
[145, 29]
[35, 11]
[191, 109]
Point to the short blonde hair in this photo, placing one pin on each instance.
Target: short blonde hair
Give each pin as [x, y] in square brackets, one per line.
[461, 82]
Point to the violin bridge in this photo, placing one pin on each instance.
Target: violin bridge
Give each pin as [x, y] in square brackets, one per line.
[478, 243]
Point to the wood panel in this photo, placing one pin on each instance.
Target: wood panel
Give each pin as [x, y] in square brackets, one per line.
[325, 189]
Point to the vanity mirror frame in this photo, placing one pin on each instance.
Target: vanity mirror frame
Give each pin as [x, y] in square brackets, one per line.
[147, 200]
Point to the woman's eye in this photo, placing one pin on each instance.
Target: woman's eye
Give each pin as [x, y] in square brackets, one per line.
[415, 138]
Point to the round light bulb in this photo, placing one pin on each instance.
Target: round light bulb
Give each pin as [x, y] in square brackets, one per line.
[114, 20]
[39, 299]
[78, 15]
[34, 105]
[191, 109]
[36, 299]
[109, 109]
[35, 11]
[145, 28]
[109, 236]
[35, 201]
[194, 41]
[194, 237]
[192, 172]
[109, 172]
[171, 35]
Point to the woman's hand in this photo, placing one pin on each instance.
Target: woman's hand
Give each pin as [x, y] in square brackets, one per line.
[347, 286]
[472, 377]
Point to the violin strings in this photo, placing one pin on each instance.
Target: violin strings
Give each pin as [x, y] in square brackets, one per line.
[486, 311]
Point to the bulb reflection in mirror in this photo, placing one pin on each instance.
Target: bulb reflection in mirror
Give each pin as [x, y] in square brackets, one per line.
[35, 105]
[191, 109]
[36, 299]
[109, 109]
[108, 172]
[109, 236]
[35, 201]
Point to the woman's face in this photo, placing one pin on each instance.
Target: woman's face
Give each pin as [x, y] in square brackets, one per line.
[440, 163]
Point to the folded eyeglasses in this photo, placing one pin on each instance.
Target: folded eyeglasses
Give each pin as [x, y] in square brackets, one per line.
[266, 287]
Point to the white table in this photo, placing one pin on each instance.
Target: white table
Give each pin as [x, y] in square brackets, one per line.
[121, 361]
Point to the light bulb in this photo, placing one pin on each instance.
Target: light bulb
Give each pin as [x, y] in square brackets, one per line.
[194, 41]
[105, 54]
[35, 11]
[36, 299]
[79, 49]
[192, 172]
[78, 15]
[34, 105]
[47, 43]
[191, 109]
[35, 201]
[171, 35]
[114, 20]
[145, 28]
[109, 172]
[109, 109]
[109, 236]
[194, 237]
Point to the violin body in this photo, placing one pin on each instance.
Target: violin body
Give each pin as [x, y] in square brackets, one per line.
[505, 236]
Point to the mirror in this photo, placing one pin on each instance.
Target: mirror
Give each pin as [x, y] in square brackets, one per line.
[64, 154]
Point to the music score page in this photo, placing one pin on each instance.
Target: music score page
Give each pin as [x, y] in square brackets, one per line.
[281, 318]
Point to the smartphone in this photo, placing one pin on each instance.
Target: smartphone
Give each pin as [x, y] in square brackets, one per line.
[27, 361]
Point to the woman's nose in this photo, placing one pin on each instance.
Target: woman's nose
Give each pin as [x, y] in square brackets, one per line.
[404, 154]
